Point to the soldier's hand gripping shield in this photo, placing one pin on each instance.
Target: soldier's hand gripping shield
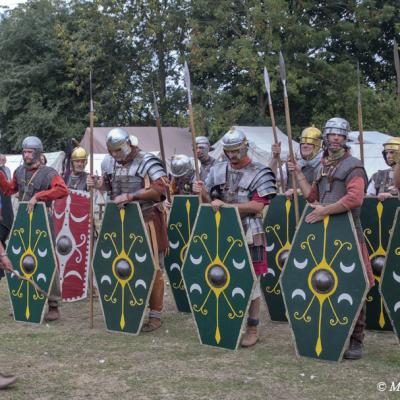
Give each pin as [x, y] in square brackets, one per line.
[124, 268]
[376, 220]
[279, 226]
[218, 275]
[30, 250]
[72, 231]
[180, 224]
[324, 285]
[390, 278]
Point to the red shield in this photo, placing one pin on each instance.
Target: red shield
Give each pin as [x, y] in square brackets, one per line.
[71, 228]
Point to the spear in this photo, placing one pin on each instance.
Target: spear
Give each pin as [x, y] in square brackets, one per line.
[158, 122]
[160, 136]
[191, 119]
[282, 72]
[360, 116]
[272, 115]
[91, 213]
[397, 67]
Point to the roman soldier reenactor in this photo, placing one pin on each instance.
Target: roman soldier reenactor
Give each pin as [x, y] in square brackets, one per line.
[382, 181]
[339, 186]
[309, 160]
[76, 179]
[36, 182]
[248, 185]
[203, 147]
[130, 174]
[182, 173]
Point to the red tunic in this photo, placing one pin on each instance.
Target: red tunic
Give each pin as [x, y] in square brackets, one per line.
[260, 267]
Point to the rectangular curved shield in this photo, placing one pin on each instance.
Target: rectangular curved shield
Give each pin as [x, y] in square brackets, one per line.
[124, 267]
[390, 278]
[324, 285]
[219, 276]
[376, 220]
[180, 223]
[31, 253]
[279, 226]
[71, 218]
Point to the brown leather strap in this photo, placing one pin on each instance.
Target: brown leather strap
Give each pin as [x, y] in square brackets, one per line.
[153, 238]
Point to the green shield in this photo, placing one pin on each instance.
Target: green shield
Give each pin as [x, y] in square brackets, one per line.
[324, 285]
[376, 220]
[124, 268]
[390, 278]
[218, 275]
[180, 224]
[279, 225]
[31, 253]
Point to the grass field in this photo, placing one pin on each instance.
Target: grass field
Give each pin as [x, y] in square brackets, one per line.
[67, 360]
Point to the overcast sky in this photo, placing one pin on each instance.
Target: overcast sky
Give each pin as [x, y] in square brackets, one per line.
[11, 3]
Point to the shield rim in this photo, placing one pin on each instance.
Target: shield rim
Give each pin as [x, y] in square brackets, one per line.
[353, 229]
[8, 274]
[136, 204]
[202, 205]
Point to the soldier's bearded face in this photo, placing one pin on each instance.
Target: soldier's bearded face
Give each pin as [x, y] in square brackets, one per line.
[118, 155]
[27, 156]
[336, 141]
[306, 150]
[390, 156]
[233, 156]
[78, 166]
[201, 152]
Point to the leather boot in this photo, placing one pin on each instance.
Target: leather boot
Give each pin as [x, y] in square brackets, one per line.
[6, 380]
[250, 337]
[354, 351]
[152, 324]
[53, 314]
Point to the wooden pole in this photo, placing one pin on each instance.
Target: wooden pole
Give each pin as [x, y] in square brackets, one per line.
[91, 214]
[360, 117]
[289, 133]
[191, 121]
[272, 115]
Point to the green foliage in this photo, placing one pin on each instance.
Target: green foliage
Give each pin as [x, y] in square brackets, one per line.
[49, 47]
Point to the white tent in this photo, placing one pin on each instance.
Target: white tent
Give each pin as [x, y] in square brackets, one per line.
[373, 147]
[260, 140]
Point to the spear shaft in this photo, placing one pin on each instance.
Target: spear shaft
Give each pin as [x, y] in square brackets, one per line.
[160, 138]
[191, 120]
[289, 133]
[272, 115]
[91, 213]
[360, 117]
[397, 67]
[159, 130]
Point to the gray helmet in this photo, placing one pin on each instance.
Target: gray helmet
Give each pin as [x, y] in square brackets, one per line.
[202, 140]
[203, 146]
[32, 142]
[181, 165]
[118, 139]
[235, 139]
[336, 125]
[35, 144]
